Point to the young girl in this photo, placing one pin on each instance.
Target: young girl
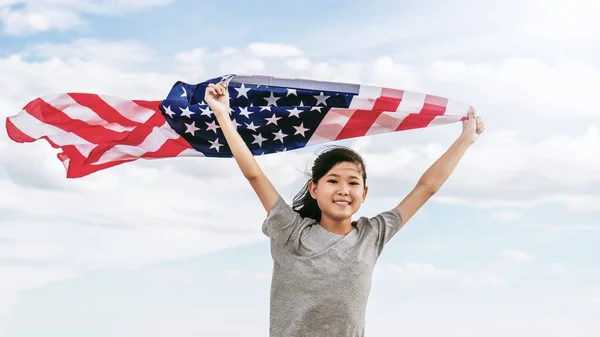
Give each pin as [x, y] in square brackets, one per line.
[323, 261]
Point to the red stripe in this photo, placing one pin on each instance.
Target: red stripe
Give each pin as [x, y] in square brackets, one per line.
[171, 148]
[362, 120]
[433, 106]
[102, 109]
[17, 135]
[133, 138]
[48, 114]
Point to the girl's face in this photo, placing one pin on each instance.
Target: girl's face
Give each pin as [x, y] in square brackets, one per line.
[340, 192]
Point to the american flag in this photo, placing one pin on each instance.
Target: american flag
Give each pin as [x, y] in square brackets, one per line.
[95, 132]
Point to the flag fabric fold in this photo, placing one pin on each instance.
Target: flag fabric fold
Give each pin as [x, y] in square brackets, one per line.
[95, 132]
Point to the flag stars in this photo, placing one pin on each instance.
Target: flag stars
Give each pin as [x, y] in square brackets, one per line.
[321, 99]
[235, 123]
[168, 111]
[242, 91]
[272, 100]
[212, 126]
[295, 112]
[279, 136]
[186, 112]
[272, 120]
[251, 126]
[300, 130]
[291, 92]
[206, 111]
[191, 128]
[244, 112]
[215, 144]
[258, 139]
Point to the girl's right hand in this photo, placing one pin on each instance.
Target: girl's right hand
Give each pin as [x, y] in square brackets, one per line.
[217, 98]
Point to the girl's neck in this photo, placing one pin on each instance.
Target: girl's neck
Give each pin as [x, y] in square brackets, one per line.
[337, 227]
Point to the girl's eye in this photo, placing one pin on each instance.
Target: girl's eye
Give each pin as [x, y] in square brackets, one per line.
[331, 181]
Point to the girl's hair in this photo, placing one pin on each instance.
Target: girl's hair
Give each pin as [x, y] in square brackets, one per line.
[304, 203]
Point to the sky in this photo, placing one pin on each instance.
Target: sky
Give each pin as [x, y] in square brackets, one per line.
[173, 247]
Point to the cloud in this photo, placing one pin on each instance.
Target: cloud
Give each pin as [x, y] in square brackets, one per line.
[515, 256]
[506, 216]
[418, 272]
[265, 49]
[23, 17]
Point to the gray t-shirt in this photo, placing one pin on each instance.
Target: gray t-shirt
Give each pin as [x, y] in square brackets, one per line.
[321, 280]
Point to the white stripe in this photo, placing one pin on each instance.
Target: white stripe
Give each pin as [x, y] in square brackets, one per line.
[331, 126]
[386, 122]
[443, 120]
[412, 102]
[71, 108]
[129, 109]
[190, 153]
[457, 108]
[370, 91]
[34, 128]
[152, 143]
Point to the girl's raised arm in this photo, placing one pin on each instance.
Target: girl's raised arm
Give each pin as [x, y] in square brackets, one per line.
[217, 97]
[440, 171]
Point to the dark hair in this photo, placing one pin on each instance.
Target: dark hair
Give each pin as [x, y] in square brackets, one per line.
[304, 203]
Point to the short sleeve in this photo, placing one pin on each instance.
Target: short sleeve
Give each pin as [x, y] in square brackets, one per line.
[281, 221]
[387, 224]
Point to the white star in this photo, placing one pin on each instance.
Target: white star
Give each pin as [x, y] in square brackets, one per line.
[235, 123]
[300, 130]
[295, 112]
[184, 92]
[318, 108]
[252, 127]
[212, 126]
[244, 112]
[279, 136]
[215, 145]
[186, 112]
[242, 91]
[301, 103]
[258, 139]
[272, 100]
[321, 99]
[191, 128]
[272, 120]
[291, 92]
[265, 108]
[168, 111]
[206, 111]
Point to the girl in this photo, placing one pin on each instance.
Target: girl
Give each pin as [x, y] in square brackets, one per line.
[323, 261]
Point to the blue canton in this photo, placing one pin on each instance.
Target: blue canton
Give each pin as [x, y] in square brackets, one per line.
[269, 118]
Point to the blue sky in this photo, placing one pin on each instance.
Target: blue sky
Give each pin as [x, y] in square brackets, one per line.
[173, 247]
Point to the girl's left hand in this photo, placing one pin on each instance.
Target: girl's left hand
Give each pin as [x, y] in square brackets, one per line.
[472, 127]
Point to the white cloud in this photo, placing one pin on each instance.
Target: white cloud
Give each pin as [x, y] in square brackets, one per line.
[43, 15]
[506, 216]
[417, 272]
[515, 256]
[32, 21]
[116, 55]
[265, 49]
[298, 64]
